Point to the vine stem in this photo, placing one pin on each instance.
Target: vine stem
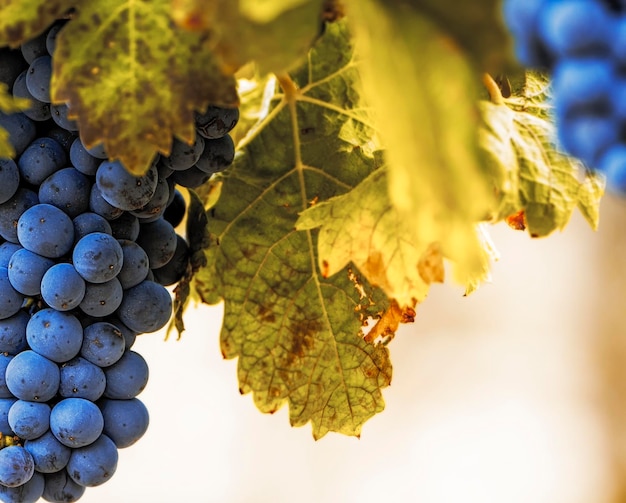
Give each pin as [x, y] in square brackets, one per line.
[493, 89]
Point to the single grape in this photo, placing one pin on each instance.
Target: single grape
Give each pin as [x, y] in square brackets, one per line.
[12, 210]
[122, 189]
[32, 377]
[41, 158]
[39, 110]
[98, 257]
[67, 189]
[30, 492]
[125, 421]
[81, 379]
[22, 131]
[46, 230]
[176, 208]
[55, 334]
[127, 377]
[7, 249]
[34, 48]
[135, 264]
[82, 160]
[146, 307]
[62, 288]
[16, 466]
[102, 299]
[89, 222]
[217, 156]
[76, 422]
[158, 239]
[29, 420]
[103, 344]
[26, 269]
[48, 453]
[216, 122]
[9, 179]
[99, 205]
[38, 78]
[13, 333]
[183, 155]
[94, 464]
[173, 271]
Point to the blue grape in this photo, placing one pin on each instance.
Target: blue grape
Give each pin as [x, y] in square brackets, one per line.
[217, 156]
[173, 271]
[124, 190]
[125, 421]
[82, 160]
[99, 205]
[22, 131]
[183, 156]
[62, 288]
[38, 111]
[576, 27]
[191, 178]
[94, 464]
[26, 270]
[129, 335]
[125, 227]
[40, 159]
[32, 377]
[7, 249]
[4, 362]
[34, 48]
[98, 257]
[60, 115]
[10, 299]
[158, 239]
[52, 34]
[103, 344]
[215, 122]
[135, 265]
[9, 179]
[102, 299]
[89, 222]
[127, 377]
[587, 136]
[60, 488]
[13, 333]
[48, 453]
[46, 230]
[76, 422]
[54, 334]
[67, 189]
[12, 210]
[175, 211]
[146, 307]
[585, 84]
[63, 137]
[29, 420]
[38, 78]
[30, 492]
[16, 466]
[156, 206]
[81, 379]
[5, 406]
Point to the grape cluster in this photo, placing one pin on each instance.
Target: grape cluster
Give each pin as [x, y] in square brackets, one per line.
[582, 43]
[86, 251]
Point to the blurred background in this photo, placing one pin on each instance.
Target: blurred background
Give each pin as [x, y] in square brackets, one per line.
[516, 393]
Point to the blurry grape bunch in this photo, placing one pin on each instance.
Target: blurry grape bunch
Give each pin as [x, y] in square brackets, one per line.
[87, 250]
[582, 45]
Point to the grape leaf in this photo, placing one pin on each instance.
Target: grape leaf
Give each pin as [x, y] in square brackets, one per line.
[133, 79]
[533, 177]
[275, 34]
[298, 334]
[363, 226]
[424, 90]
[22, 20]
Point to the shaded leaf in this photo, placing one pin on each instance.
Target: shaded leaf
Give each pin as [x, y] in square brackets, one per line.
[133, 79]
[363, 227]
[275, 34]
[297, 333]
[22, 20]
[531, 175]
[424, 88]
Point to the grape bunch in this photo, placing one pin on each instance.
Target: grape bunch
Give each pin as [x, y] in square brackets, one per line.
[582, 44]
[86, 251]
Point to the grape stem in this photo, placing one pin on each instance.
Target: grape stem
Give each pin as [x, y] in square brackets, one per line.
[289, 87]
[493, 89]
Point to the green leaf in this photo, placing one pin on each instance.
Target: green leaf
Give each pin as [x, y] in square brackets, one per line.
[9, 105]
[133, 79]
[362, 226]
[424, 91]
[297, 333]
[22, 20]
[531, 175]
[275, 34]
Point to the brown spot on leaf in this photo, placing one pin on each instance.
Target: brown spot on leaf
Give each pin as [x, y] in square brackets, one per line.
[430, 265]
[517, 221]
[390, 320]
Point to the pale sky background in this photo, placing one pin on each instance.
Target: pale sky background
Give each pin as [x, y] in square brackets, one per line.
[496, 398]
